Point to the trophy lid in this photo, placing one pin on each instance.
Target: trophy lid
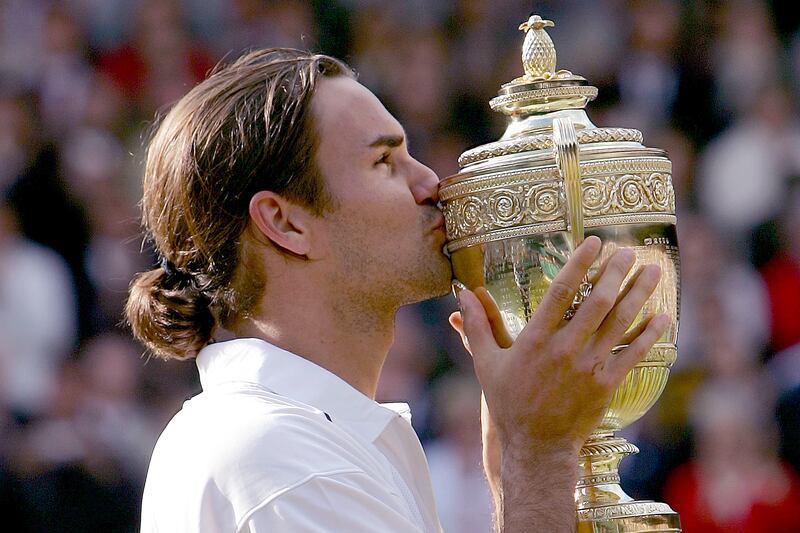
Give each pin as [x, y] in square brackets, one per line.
[542, 88]
[553, 170]
[542, 94]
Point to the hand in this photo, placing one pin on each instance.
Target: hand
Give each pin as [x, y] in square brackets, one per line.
[548, 390]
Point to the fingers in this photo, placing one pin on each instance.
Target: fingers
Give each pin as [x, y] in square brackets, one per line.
[628, 307]
[596, 307]
[499, 330]
[617, 367]
[476, 326]
[637, 330]
[562, 291]
[498, 326]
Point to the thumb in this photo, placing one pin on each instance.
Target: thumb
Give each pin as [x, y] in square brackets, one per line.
[457, 323]
[476, 326]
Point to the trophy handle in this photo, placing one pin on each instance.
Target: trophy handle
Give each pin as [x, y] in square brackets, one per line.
[566, 142]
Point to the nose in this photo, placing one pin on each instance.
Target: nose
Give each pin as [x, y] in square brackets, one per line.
[424, 184]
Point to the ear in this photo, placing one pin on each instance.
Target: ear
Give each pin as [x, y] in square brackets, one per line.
[284, 223]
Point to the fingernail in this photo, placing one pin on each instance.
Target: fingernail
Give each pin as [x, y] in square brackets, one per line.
[593, 241]
[458, 299]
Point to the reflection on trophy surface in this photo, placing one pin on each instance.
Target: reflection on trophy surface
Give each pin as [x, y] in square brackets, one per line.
[520, 205]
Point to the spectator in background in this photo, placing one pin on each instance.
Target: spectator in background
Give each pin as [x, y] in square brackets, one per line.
[17, 137]
[38, 319]
[65, 80]
[258, 24]
[161, 62]
[782, 277]
[110, 417]
[745, 57]
[46, 211]
[649, 76]
[736, 481]
[454, 457]
[419, 91]
[65, 479]
[93, 168]
[22, 25]
[709, 273]
[742, 175]
[404, 377]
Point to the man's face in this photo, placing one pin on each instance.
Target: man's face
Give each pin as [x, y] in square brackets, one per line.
[385, 233]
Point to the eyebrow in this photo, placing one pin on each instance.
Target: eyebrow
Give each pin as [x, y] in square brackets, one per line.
[392, 141]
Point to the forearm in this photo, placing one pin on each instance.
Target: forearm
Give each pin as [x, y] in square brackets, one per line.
[496, 493]
[537, 492]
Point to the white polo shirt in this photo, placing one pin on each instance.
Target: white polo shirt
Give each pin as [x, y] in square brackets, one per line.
[276, 443]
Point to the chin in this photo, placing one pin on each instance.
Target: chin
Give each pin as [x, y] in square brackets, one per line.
[439, 282]
[446, 278]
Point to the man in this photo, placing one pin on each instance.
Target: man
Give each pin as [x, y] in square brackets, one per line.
[293, 221]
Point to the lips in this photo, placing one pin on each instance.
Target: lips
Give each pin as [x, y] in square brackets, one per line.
[439, 223]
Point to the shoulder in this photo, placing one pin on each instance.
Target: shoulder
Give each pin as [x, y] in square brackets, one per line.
[350, 502]
[240, 450]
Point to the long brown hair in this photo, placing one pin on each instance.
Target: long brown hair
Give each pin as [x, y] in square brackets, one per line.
[247, 127]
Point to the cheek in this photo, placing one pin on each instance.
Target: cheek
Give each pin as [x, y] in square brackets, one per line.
[380, 215]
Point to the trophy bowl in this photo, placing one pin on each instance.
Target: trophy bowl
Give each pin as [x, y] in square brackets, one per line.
[519, 207]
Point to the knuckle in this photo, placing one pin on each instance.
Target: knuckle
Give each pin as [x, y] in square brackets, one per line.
[604, 299]
[620, 322]
[537, 341]
[562, 292]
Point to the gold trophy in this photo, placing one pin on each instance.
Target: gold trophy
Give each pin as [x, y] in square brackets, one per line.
[518, 208]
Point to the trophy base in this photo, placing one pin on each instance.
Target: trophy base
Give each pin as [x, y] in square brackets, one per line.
[603, 507]
[629, 517]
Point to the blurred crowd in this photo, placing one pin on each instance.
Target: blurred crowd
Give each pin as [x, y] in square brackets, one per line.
[714, 83]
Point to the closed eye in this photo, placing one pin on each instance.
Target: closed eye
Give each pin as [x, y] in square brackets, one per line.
[384, 159]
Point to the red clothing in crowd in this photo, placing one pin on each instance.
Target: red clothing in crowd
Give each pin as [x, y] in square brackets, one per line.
[129, 69]
[775, 509]
[782, 277]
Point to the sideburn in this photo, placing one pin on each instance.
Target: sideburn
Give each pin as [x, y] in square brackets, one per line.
[240, 300]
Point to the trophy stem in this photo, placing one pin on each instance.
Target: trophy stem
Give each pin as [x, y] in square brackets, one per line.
[602, 504]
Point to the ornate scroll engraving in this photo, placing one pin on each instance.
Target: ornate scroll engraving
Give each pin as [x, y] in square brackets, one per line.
[483, 211]
[628, 193]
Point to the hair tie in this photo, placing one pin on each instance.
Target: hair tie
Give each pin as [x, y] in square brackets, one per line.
[174, 275]
[168, 267]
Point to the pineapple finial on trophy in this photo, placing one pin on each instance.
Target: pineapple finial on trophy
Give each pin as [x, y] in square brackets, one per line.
[542, 88]
[538, 50]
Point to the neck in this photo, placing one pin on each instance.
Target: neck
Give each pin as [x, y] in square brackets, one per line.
[348, 339]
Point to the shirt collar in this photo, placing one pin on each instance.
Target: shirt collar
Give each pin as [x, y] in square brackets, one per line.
[284, 373]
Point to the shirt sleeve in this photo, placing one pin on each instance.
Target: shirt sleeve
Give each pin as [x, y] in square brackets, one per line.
[352, 502]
